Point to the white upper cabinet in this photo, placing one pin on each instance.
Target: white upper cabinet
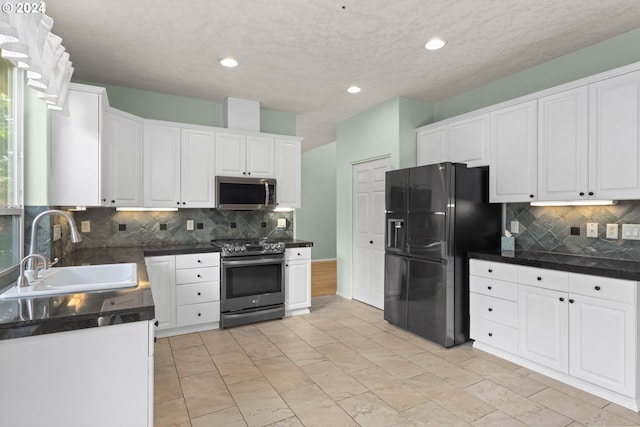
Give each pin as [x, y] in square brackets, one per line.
[196, 182]
[563, 145]
[122, 152]
[161, 166]
[241, 155]
[76, 139]
[470, 141]
[614, 127]
[433, 146]
[288, 173]
[513, 149]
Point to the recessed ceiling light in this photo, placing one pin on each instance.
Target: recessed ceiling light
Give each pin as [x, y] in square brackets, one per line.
[434, 44]
[353, 89]
[228, 62]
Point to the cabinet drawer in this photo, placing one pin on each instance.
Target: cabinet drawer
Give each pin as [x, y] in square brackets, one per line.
[197, 260]
[293, 254]
[494, 288]
[198, 275]
[543, 278]
[494, 309]
[494, 270]
[603, 287]
[494, 334]
[198, 313]
[198, 293]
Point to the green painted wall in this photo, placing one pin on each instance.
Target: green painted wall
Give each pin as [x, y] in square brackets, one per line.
[36, 150]
[603, 56]
[384, 130]
[162, 106]
[316, 220]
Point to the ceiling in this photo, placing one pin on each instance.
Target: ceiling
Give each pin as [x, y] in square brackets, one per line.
[300, 55]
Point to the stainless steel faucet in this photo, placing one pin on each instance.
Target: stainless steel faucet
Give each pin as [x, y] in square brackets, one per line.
[22, 279]
[75, 235]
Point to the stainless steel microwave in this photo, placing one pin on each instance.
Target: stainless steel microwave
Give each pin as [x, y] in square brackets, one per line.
[235, 193]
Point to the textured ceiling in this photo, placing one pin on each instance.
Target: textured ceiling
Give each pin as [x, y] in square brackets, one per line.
[300, 55]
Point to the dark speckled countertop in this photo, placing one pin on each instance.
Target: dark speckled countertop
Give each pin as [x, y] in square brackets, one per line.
[57, 313]
[607, 267]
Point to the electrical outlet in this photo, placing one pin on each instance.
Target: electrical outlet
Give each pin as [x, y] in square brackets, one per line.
[515, 227]
[282, 223]
[631, 231]
[612, 231]
[592, 229]
[190, 225]
[56, 232]
[85, 226]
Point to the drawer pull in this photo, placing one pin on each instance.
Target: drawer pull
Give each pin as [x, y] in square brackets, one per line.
[199, 262]
[371, 241]
[490, 309]
[490, 271]
[199, 276]
[199, 314]
[156, 323]
[571, 301]
[199, 294]
[539, 278]
[489, 287]
[597, 288]
[490, 334]
[561, 299]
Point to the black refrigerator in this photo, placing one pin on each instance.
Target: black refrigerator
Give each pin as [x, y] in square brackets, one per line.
[435, 214]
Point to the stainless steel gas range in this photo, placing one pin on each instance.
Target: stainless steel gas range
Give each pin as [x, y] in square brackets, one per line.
[252, 281]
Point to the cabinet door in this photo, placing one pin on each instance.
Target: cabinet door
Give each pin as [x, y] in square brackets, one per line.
[161, 271]
[513, 148]
[288, 176]
[614, 132]
[470, 141]
[602, 342]
[196, 171]
[75, 151]
[563, 145]
[298, 285]
[543, 327]
[433, 146]
[161, 166]
[261, 157]
[122, 176]
[230, 155]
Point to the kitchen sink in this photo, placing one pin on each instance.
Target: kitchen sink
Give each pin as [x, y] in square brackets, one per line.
[85, 278]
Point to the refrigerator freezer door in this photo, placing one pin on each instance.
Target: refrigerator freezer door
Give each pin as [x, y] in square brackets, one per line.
[429, 301]
[395, 289]
[396, 211]
[429, 210]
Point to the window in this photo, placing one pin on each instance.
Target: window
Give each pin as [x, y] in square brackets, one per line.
[11, 199]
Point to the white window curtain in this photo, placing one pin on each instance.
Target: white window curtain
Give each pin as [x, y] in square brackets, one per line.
[27, 41]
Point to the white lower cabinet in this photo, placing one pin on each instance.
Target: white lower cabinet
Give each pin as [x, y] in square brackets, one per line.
[576, 328]
[297, 282]
[100, 376]
[186, 292]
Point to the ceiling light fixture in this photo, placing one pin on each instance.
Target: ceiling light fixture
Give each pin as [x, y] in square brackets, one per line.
[434, 44]
[228, 62]
[353, 89]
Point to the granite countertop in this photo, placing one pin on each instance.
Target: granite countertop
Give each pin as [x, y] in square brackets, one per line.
[607, 267]
[57, 313]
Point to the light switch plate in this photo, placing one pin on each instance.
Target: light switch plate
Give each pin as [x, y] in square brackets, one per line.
[515, 227]
[190, 225]
[282, 223]
[612, 231]
[85, 226]
[631, 231]
[592, 229]
[56, 232]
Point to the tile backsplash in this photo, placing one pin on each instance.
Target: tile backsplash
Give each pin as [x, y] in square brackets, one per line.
[549, 229]
[109, 228]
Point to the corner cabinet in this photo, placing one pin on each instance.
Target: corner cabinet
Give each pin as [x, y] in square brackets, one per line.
[576, 328]
[288, 173]
[513, 154]
[297, 281]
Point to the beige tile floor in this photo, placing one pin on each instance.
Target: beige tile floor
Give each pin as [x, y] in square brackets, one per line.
[344, 365]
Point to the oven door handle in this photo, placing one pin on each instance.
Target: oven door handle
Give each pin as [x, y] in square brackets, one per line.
[253, 261]
[266, 190]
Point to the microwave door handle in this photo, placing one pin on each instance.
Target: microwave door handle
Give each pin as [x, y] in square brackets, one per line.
[266, 191]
